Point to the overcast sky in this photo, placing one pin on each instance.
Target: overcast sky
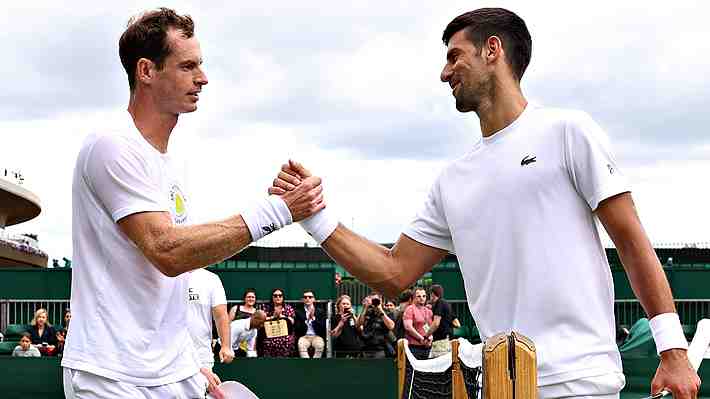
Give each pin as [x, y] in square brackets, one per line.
[352, 90]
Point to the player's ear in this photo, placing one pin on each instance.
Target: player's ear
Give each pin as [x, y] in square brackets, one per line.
[493, 48]
[145, 71]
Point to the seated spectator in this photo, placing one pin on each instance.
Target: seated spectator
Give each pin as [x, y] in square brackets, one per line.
[417, 319]
[245, 310]
[282, 345]
[59, 350]
[310, 327]
[25, 348]
[375, 325]
[42, 332]
[67, 318]
[244, 332]
[346, 342]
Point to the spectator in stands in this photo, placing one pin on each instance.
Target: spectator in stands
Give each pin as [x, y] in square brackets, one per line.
[346, 342]
[59, 350]
[244, 333]
[375, 325]
[441, 326]
[417, 319]
[207, 303]
[25, 348]
[390, 307]
[67, 318]
[41, 331]
[310, 327]
[406, 298]
[338, 279]
[247, 309]
[282, 345]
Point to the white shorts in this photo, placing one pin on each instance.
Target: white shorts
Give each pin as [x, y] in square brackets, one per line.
[605, 386]
[82, 385]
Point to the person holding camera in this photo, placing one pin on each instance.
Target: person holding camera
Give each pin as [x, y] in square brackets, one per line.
[375, 325]
[346, 336]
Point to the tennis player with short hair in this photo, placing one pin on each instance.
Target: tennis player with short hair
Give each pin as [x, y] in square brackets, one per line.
[519, 211]
[132, 238]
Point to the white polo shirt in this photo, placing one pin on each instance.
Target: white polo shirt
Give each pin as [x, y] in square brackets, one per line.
[205, 291]
[129, 321]
[518, 212]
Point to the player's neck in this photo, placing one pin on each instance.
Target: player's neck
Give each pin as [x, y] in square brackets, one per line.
[154, 125]
[501, 109]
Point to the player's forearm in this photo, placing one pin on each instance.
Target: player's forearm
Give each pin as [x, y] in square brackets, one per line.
[646, 276]
[185, 248]
[369, 262]
[221, 321]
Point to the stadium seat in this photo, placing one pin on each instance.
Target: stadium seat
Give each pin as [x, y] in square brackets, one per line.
[7, 347]
[13, 332]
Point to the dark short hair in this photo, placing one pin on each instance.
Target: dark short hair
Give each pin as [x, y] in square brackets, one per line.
[483, 23]
[406, 296]
[249, 291]
[309, 290]
[26, 335]
[437, 290]
[146, 37]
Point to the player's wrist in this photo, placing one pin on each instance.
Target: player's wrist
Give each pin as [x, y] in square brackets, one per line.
[320, 226]
[267, 216]
[668, 333]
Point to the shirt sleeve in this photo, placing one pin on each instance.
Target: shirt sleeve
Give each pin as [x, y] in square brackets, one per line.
[430, 226]
[120, 178]
[590, 162]
[408, 313]
[218, 296]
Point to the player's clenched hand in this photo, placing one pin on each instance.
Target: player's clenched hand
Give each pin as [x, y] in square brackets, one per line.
[226, 354]
[213, 383]
[676, 375]
[290, 176]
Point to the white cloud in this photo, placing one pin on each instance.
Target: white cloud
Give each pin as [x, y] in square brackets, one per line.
[352, 90]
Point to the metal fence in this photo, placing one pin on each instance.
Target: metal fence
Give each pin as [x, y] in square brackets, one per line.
[21, 311]
[690, 311]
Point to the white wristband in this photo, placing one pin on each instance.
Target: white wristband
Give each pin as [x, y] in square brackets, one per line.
[667, 332]
[320, 226]
[267, 216]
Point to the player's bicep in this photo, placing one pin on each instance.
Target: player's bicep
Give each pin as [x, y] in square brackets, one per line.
[620, 220]
[415, 259]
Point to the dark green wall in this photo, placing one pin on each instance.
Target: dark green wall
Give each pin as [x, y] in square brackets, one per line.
[56, 283]
[40, 378]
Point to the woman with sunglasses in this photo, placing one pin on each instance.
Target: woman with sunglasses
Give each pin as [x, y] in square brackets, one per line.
[282, 346]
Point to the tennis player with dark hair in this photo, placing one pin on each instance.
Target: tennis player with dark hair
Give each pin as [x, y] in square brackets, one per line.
[132, 238]
[519, 211]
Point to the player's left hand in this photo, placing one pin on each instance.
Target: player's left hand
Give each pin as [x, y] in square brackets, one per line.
[676, 375]
[226, 355]
[213, 383]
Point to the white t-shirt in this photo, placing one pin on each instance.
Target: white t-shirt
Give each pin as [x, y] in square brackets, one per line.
[129, 321]
[205, 291]
[517, 211]
[243, 337]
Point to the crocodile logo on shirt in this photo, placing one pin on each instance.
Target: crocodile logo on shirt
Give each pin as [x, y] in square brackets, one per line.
[528, 160]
